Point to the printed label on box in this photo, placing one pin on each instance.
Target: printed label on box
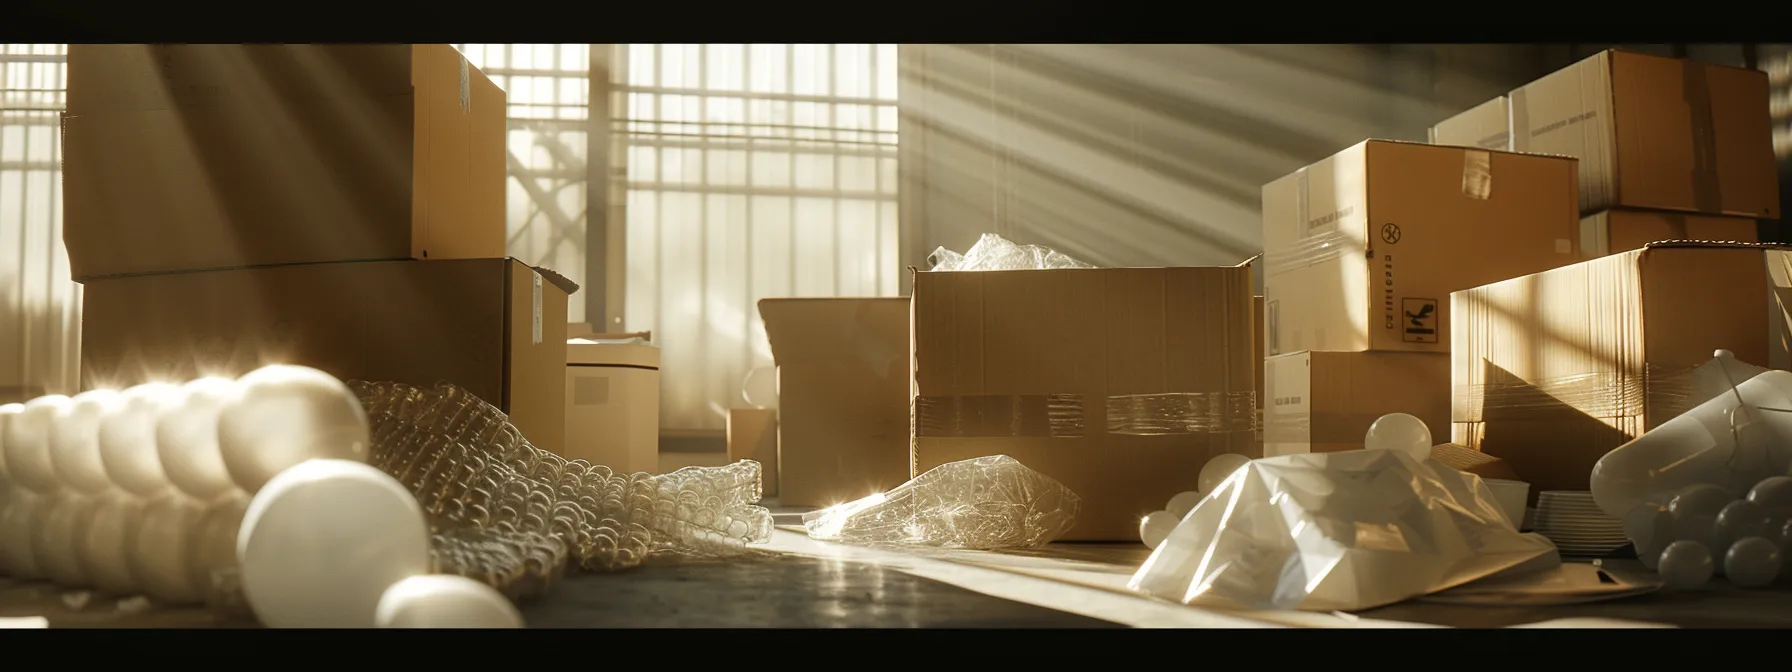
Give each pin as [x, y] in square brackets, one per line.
[1419, 324]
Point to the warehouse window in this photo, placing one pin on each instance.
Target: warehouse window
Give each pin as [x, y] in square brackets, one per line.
[40, 308]
[753, 171]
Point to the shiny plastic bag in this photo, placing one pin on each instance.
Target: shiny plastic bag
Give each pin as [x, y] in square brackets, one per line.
[1338, 532]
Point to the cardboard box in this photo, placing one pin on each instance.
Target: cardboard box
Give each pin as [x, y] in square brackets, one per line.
[1484, 126]
[1656, 132]
[753, 435]
[613, 405]
[1551, 371]
[1613, 231]
[494, 327]
[1364, 247]
[198, 157]
[1257, 361]
[1118, 383]
[843, 418]
[1324, 402]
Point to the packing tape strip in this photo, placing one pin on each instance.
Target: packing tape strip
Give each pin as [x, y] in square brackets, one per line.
[1597, 395]
[1477, 174]
[466, 85]
[1707, 189]
[1182, 413]
[1065, 415]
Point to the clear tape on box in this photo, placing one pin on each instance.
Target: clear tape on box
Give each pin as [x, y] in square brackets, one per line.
[1338, 532]
[995, 253]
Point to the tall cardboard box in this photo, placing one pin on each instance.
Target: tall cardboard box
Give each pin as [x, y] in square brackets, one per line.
[1324, 402]
[1363, 248]
[1484, 126]
[1650, 131]
[195, 157]
[494, 327]
[1622, 230]
[1552, 370]
[1119, 383]
[842, 397]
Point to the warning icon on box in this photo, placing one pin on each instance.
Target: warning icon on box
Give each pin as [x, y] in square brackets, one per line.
[1420, 320]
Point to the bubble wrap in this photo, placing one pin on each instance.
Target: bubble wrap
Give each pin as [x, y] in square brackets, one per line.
[982, 503]
[995, 253]
[512, 515]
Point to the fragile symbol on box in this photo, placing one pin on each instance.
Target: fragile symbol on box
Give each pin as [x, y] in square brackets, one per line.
[1420, 323]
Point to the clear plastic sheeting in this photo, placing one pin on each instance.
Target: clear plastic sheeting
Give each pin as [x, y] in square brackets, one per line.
[1338, 532]
[982, 504]
[995, 253]
[502, 510]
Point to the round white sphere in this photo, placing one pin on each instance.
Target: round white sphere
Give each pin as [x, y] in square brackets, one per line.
[160, 556]
[7, 411]
[27, 446]
[1183, 503]
[445, 601]
[212, 547]
[1685, 565]
[1752, 562]
[1218, 469]
[63, 524]
[75, 442]
[18, 535]
[1155, 527]
[1700, 500]
[1773, 494]
[1402, 432]
[104, 549]
[128, 439]
[323, 540]
[1739, 519]
[284, 415]
[187, 439]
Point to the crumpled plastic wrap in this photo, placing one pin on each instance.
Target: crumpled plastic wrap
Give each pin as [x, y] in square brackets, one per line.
[995, 253]
[507, 513]
[1337, 532]
[982, 503]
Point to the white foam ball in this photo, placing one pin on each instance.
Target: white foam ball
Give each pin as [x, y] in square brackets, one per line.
[212, 548]
[187, 439]
[323, 540]
[161, 555]
[105, 547]
[1183, 503]
[28, 445]
[1155, 527]
[63, 524]
[445, 601]
[1402, 432]
[285, 415]
[1686, 565]
[1218, 469]
[128, 439]
[18, 535]
[1774, 494]
[1752, 562]
[75, 442]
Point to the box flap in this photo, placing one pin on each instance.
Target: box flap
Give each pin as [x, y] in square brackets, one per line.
[564, 283]
[1716, 243]
[828, 330]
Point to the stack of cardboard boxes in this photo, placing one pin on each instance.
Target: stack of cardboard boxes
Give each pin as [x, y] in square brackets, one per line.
[1403, 275]
[335, 206]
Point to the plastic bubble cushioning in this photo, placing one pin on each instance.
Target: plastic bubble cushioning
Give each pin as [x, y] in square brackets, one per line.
[982, 503]
[510, 514]
[1338, 532]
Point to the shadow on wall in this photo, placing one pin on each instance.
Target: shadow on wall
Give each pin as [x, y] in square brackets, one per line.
[39, 347]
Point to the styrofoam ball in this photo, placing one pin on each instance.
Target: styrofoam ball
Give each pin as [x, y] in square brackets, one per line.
[445, 601]
[104, 548]
[212, 548]
[63, 524]
[75, 442]
[1155, 527]
[322, 542]
[285, 415]
[1400, 431]
[1218, 469]
[161, 555]
[28, 445]
[19, 523]
[128, 439]
[187, 439]
[1182, 503]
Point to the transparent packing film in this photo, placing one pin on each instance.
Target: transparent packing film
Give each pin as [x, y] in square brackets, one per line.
[995, 253]
[982, 503]
[504, 510]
